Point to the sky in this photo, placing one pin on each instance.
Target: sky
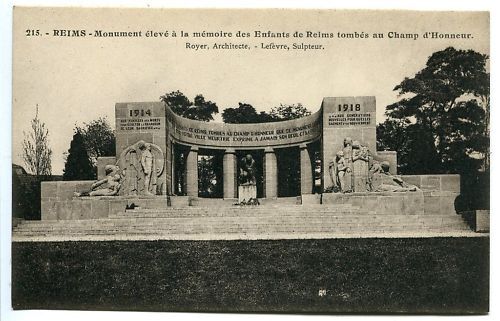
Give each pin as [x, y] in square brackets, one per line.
[78, 79]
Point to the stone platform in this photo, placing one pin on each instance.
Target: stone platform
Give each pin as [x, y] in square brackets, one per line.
[428, 212]
[246, 222]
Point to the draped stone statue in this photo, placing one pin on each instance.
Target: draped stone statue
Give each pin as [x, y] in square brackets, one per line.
[142, 164]
[341, 168]
[360, 158]
[348, 161]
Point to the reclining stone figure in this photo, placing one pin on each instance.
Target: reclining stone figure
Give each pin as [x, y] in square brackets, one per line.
[389, 182]
[108, 186]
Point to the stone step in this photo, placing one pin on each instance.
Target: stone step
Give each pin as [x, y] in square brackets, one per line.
[239, 211]
[312, 225]
[239, 230]
[227, 224]
[250, 208]
[247, 230]
[131, 214]
[306, 218]
[233, 221]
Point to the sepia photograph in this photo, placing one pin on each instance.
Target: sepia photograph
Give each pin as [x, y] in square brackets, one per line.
[310, 161]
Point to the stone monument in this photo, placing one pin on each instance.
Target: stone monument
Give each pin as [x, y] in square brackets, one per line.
[157, 164]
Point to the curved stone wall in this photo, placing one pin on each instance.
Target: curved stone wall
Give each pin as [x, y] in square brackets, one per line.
[244, 136]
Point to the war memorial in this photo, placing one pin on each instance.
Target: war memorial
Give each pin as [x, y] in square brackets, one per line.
[150, 189]
[349, 235]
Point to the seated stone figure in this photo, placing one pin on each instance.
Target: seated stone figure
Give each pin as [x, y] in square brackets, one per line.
[108, 186]
[387, 181]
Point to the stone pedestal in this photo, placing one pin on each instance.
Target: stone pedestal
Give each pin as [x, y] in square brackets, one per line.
[192, 172]
[306, 177]
[229, 168]
[270, 174]
[246, 192]
[482, 220]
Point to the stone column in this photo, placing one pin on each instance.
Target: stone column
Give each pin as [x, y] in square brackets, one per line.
[229, 173]
[306, 175]
[173, 174]
[270, 173]
[192, 172]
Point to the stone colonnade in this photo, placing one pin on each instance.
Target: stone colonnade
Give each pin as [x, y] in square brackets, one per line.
[230, 167]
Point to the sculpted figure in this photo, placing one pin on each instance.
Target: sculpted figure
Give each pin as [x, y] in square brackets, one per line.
[342, 171]
[360, 157]
[389, 182]
[247, 170]
[332, 171]
[348, 160]
[108, 186]
[147, 167]
[142, 163]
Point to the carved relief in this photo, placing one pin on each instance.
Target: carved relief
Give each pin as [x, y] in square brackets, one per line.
[142, 164]
[354, 169]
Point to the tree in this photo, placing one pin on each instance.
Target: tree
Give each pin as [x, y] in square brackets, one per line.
[415, 146]
[449, 100]
[246, 114]
[210, 176]
[200, 109]
[78, 165]
[98, 138]
[36, 151]
[287, 112]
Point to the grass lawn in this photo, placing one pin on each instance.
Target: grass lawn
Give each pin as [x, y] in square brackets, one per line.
[428, 275]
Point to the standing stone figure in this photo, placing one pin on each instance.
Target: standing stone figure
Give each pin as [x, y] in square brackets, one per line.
[147, 165]
[143, 163]
[108, 186]
[131, 173]
[247, 170]
[341, 169]
[360, 157]
[347, 150]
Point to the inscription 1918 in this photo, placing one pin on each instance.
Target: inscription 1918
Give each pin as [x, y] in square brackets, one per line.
[349, 107]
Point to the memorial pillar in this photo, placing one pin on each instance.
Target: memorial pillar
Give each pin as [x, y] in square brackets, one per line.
[306, 176]
[192, 172]
[270, 173]
[229, 173]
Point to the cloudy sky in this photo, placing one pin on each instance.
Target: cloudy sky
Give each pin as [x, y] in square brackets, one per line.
[78, 79]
